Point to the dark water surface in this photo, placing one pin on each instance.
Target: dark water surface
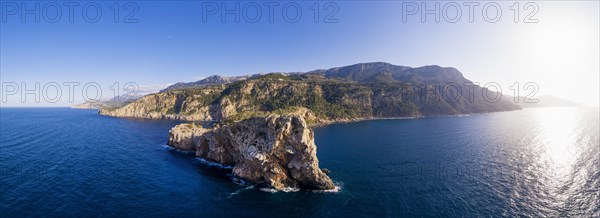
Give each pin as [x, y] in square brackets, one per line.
[534, 162]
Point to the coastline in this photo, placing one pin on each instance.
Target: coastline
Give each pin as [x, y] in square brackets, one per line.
[403, 118]
[320, 123]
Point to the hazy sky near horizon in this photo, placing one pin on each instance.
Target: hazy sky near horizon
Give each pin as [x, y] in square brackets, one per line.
[172, 43]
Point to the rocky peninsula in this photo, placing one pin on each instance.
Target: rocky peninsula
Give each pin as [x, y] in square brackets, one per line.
[264, 121]
[277, 151]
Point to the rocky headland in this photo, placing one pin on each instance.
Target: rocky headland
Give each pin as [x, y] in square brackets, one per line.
[264, 121]
[277, 151]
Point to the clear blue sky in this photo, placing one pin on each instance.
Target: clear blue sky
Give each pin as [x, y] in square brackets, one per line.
[171, 43]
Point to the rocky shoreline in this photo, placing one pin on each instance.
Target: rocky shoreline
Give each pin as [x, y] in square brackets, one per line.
[277, 151]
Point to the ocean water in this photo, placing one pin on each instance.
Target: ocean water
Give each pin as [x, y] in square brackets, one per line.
[534, 162]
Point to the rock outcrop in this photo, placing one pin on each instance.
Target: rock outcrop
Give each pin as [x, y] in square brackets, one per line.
[277, 151]
[185, 136]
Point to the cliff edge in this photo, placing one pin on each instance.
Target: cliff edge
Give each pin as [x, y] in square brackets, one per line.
[277, 151]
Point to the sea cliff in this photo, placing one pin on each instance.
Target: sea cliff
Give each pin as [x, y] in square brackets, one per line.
[277, 151]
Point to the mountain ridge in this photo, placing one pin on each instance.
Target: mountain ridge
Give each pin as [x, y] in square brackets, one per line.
[328, 73]
[360, 91]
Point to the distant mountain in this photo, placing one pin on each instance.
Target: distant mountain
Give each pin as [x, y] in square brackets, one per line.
[117, 101]
[545, 101]
[360, 91]
[211, 80]
[385, 72]
[121, 100]
[91, 104]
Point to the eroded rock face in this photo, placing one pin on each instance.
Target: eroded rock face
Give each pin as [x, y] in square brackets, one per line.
[278, 150]
[188, 105]
[183, 136]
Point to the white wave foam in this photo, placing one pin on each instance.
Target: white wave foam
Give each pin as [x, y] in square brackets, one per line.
[286, 189]
[268, 190]
[334, 190]
[338, 188]
[240, 191]
[212, 164]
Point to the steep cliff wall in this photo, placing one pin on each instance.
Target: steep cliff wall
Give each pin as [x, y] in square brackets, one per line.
[277, 151]
[189, 104]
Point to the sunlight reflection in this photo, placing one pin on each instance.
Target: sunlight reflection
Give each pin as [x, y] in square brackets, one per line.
[557, 137]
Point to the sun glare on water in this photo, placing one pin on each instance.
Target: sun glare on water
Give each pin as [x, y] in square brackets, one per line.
[559, 135]
[558, 168]
[557, 140]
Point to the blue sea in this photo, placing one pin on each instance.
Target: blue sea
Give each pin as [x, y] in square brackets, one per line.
[59, 162]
